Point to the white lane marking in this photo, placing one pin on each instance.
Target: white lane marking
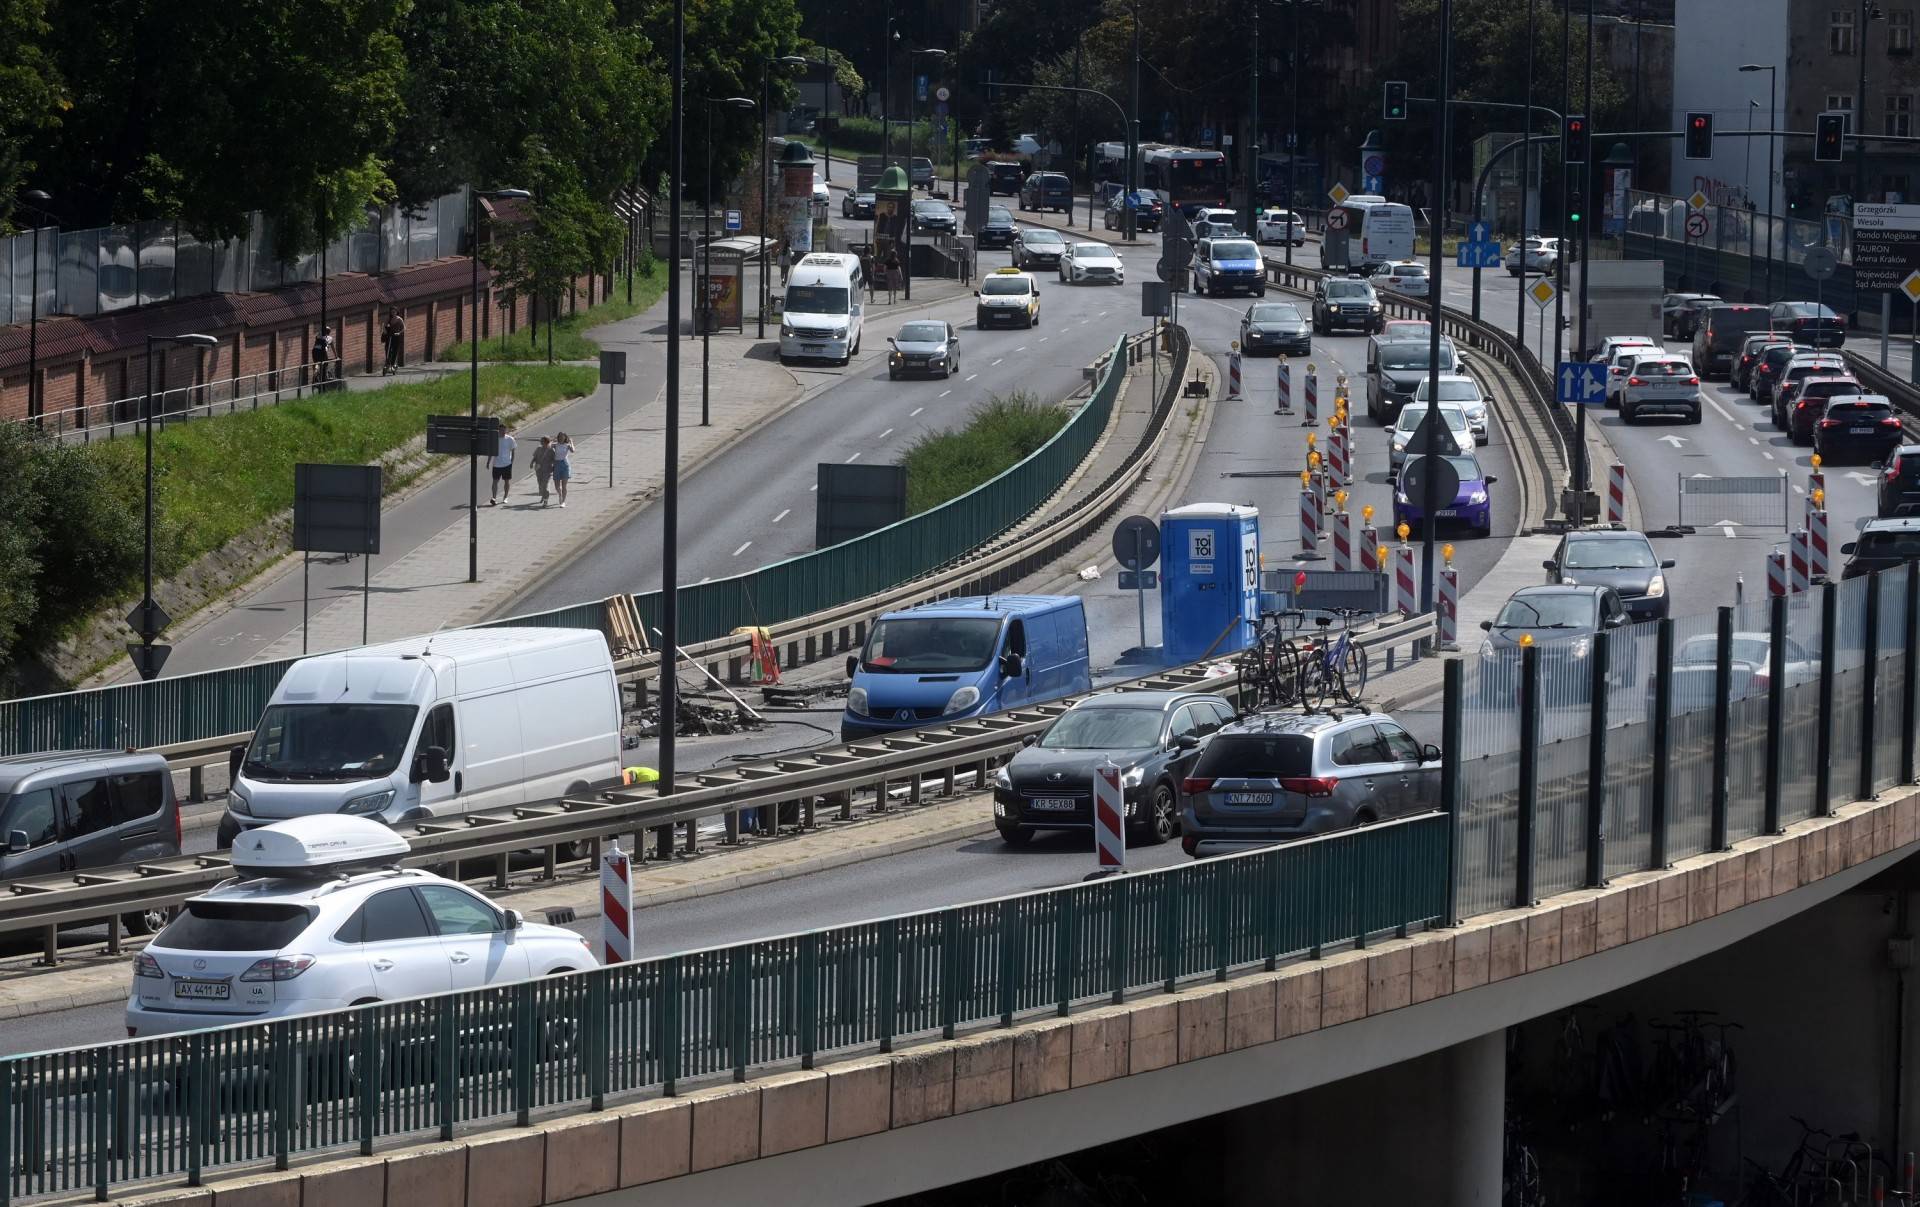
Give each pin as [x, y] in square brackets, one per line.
[783, 515]
[995, 363]
[1799, 489]
[1722, 412]
[1767, 455]
[971, 376]
[917, 410]
[1752, 440]
[1729, 533]
[742, 549]
[884, 435]
[851, 460]
[1021, 348]
[1043, 339]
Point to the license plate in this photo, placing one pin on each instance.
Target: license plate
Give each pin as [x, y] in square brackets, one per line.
[1054, 804]
[1249, 798]
[813, 347]
[1448, 513]
[206, 991]
[1861, 431]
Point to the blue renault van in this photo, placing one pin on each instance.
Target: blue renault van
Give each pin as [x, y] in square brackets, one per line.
[966, 657]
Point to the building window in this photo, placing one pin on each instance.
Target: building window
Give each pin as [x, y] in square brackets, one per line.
[1899, 115]
[1900, 32]
[1840, 31]
[1894, 188]
[1841, 102]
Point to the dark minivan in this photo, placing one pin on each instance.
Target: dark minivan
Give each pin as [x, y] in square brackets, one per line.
[64, 811]
[1047, 191]
[1721, 332]
[1005, 176]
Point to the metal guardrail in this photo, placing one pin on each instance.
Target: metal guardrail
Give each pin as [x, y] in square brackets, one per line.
[941, 756]
[172, 1107]
[1904, 395]
[220, 396]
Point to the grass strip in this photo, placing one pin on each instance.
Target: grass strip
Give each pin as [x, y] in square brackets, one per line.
[569, 331]
[999, 433]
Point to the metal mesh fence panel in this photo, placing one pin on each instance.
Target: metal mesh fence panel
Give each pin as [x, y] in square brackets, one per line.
[1799, 742]
[1629, 820]
[1890, 684]
[1487, 829]
[1693, 696]
[1560, 770]
[1849, 687]
[1747, 743]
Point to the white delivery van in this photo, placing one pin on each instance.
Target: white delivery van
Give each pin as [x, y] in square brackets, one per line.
[823, 308]
[433, 726]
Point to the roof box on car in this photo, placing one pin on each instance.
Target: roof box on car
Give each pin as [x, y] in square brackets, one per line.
[325, 844]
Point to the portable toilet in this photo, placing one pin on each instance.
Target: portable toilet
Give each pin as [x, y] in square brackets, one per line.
[1209, 580]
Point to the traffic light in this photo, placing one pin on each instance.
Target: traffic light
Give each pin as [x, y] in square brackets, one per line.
[1576, 131]
[1829, 133]
[1395, 107]
[1699, 136]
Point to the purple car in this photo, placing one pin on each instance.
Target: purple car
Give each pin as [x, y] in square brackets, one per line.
[1472, 504]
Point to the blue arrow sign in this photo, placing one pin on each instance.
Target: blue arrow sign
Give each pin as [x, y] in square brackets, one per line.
[1478, 255]
[1479, 232]
[1582, 383]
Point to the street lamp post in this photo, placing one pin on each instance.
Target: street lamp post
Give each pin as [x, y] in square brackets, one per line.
[886, 96]
[766, 170]
[1430, 502]
[670, 486]
[912, 54]
[705, 275]
[1773, 76]
[36, 200]
[473, 344]
[148, 619]
[1128, 222]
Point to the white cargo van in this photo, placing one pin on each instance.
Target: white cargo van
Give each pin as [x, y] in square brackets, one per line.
[823, 308]
[433, 726]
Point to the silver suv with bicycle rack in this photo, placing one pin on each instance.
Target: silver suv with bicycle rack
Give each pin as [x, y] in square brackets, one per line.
[1285, 775]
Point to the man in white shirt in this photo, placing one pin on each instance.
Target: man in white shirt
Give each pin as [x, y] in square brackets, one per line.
[502, 470]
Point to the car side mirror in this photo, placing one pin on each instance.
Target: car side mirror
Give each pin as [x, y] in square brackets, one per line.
[1847, 549]
[1550, 566]
[1486, 626]
[16, 841]
[853, 665]
[235, 758]
[1491, 479]
[1667, 565]
[431, 765]
[890, 342]
[1186, 741]
[1029, 739]
[1011, 663]
[976, 293]
[1429, 753]
[1616, 620]
[515, 919]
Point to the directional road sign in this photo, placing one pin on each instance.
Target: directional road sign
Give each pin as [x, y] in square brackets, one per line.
[1336, 220]
[1479, 232]
[1696, 225]
[1136, 542]
[1373, 184]
[1911, 287]
[1338, 192]
[1477, 255]
[1886, 245]
[1542, 292]
[1698, 201]
[942, 94]
[1582, 383]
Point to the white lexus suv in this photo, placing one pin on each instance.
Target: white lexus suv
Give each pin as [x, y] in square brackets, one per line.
[321, 917]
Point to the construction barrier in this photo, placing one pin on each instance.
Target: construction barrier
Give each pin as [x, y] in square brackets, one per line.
[1406, 596]
[1798, 572]
[1284, 376]
[762, 654]
[1342, 533]
[1109, 819]
[616, 906]
[1616, 493]
[1446, 605]
[1309, 524]
[1337, 457]
[1311, 398]
[1370, 548]
[1233, 376]
[1817, 563]
[1777, 572]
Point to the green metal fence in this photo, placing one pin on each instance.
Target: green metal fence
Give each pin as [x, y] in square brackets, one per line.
[177, 1106]
[191, 708]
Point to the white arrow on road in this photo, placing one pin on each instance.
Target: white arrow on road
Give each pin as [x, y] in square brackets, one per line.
[1862, 479]
[1675, 441]
[1727, 527]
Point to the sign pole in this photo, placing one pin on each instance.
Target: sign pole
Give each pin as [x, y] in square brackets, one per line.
[366, 593]
[1886, 326]
[1139, 581]
[609, 435]
[306, 562]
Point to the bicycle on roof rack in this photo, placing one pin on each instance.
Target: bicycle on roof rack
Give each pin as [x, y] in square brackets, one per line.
[1335, 669]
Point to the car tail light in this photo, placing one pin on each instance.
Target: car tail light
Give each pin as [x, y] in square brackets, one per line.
[1308, 785]
[1801, 405]
[1196, 783]
[1635, 381]
[1889, 422]
[1893, 472]
[1827, 422]
[1693, 381]
[176, 823]
[145, 965]
[277, 968]
[1762, 680]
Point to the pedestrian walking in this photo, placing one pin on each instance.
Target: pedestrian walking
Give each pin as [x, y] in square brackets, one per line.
[322, 355]
[786, 262]
[502, 469]
[562, 465]
[394, 337]
[891, 267]
[543, 466]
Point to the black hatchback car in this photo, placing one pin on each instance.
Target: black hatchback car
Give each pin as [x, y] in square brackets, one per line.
[1152, 736]
[1881, 545]
[1275, 327]
[1147, 208]
[998, 230]
[1861, 428]
[1810, 323]
[1038, 247]
[1617, 558]
[1899, 493]
[1562, 623]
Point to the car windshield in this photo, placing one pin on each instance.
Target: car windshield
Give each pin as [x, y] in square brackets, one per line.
[1401, 331]
[1092, 251]
[1705, 651]
[1234, 249]
[1547, 610]
[1275, 312]
[1811, 310]
[1349, 289]
[1662, 368]
[1254, 756]
[1004, 285]
[923, 333]
[1407, 270]
[998, 216]
[1706, 300]
[1457, 389]
[1138, 198]
[1040, 236]
[1609, 555]
[1410, 417]
[816, 299]
[931, 644]
[1104, 729]
[1412, 356]
[329, 741]
[1779, 354]
[234, 926]
[932, 209]
[1890, 543]
[867, 198]
[1860, 412]
[1467, 469]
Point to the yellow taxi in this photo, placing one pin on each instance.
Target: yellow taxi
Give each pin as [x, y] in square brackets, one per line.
[1008, 298]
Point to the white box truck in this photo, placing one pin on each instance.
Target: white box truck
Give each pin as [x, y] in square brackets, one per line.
[433, 726]
[1623, 298]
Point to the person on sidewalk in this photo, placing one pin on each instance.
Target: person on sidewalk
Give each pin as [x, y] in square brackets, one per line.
[891, 267]
[394, 337]
[543, 466]
[786, 263]
[562, 464]
[502, 469]
[322, 353]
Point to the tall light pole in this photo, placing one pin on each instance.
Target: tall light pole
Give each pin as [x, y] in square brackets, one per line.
[886, 96]
[1869, 11]
[913, 54]
[36, 200]
[1128, 223]
[670, 486]
[1293, 127]
[1773, 76]
[148, 618]
[1253, 130]
[705, 276]
[473, 393]
[766, 170]
[1430, 500]
[1526, 185]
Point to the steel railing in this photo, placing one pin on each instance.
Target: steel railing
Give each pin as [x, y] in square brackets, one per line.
[176, 1107]
[218, 396]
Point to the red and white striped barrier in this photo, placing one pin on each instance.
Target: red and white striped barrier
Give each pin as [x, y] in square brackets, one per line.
[1406, 595]
[1817, 563]
[1616, 493]
[1233, 375]
[1342, 531]
[1284, 375]
[1798, 580]
[1109, 819]
[1337, 457]
[1446, 606]
[616, 906]
[1370, 548]
[1309, 524]
[1310, 397]
[1777, 572]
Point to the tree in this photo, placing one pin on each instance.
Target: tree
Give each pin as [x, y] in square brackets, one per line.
[31, 95]
[571, 232]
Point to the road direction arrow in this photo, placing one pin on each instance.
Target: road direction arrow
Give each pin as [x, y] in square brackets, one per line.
[1862, 479]
[1675, 441]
